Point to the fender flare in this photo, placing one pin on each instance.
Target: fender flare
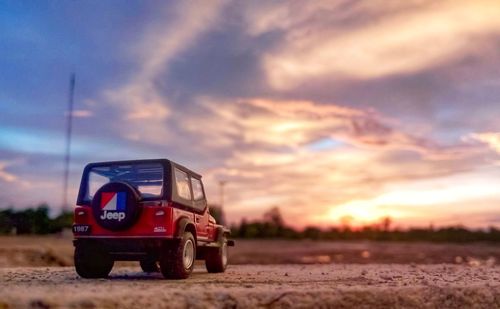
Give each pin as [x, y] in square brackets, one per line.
[182, 224]
[220, 232]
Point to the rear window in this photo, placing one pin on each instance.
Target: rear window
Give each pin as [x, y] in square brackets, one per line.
[146, 178]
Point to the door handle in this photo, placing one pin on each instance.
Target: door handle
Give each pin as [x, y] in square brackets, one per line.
[197, 219]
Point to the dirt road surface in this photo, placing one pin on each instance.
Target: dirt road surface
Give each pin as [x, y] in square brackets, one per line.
[259, 286]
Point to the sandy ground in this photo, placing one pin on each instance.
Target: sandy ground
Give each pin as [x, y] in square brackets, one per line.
[259, 286]
[35, 272]
[58, 251]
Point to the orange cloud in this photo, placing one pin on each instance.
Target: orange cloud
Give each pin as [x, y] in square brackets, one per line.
[269, 158]
[328, 39]
[296, 123]
[492, 139]
[424, 200]
[266, 148]
[11, 179]
[4, 175]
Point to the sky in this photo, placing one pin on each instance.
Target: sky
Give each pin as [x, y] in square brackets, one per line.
[333, 111]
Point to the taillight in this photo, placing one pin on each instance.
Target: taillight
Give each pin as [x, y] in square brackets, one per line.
[81, 215]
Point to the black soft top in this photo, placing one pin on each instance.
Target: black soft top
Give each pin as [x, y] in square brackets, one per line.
[161, 161]
[169, 193]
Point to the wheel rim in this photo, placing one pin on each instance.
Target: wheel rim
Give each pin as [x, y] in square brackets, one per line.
[224, 253]
[188, 255]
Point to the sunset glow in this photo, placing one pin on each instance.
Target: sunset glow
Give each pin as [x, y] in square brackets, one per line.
[410, 203]
[333, 111]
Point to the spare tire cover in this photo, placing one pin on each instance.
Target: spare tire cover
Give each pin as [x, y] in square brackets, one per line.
[116, 206]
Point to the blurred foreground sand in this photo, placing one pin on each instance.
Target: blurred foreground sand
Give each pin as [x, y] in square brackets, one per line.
[306, 274]
[259, 286]
[58, 251]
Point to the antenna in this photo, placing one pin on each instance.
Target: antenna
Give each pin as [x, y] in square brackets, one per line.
[69, 124]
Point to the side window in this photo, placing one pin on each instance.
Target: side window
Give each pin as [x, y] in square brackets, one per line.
[197, 189]
[182, 183]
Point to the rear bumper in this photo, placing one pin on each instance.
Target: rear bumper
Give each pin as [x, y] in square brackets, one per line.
[127, 248]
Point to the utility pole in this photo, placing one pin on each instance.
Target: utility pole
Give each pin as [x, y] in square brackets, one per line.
[222, 183]
[69, 124]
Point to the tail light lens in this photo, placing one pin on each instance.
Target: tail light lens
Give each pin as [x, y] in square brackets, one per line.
[81, 215]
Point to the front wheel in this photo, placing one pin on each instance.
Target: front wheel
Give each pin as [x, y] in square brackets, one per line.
[92, 261]
[216, 258]
[177, 261]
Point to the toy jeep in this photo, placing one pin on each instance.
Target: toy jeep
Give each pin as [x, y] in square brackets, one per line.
[151, 211]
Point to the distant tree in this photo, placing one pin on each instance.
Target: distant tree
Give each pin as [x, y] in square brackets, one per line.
[312, 232]
[242, 231]
[33, 221]
[274, 217]
[41, 221]
[62, 221]
[37, 221]
[386, 224]
[6, 221]
[252, 230]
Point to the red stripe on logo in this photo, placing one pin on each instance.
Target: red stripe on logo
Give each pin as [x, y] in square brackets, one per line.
[106, 197]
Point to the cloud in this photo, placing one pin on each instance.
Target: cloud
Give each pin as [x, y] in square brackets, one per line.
[4, 175]
[82, 113]
[306, 184]
[11, 179]
[268, 152]
[288, 123]
[492, 139]
[322, 38]
[442, 196]
[139, 99]
[31, 141]
[36, 178]
[317, 107]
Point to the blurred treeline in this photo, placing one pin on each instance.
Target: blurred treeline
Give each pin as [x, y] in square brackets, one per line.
[33, 221]
[38, 221]
[273, 226]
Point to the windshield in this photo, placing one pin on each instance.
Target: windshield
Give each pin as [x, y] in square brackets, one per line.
[145, 177]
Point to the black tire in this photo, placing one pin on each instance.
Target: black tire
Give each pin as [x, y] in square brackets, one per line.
[92, 261]
[149, 265]
[216, 258]
[177, 260]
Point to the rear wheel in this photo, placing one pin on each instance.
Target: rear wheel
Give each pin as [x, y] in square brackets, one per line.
[149, 265]
[216, 258]
[177, 261]
[92, 261]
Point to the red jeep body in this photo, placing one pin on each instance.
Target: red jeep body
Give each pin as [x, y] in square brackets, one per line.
[152, 211]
